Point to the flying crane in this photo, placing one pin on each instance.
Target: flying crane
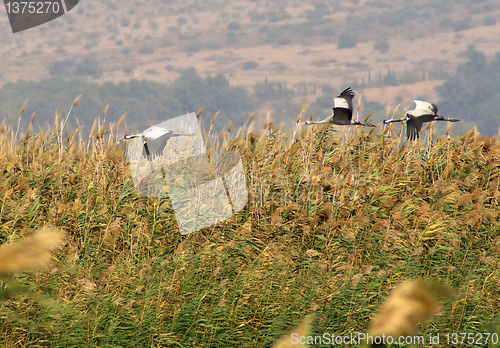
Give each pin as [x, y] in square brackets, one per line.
[423, 112]
[342, 111]
[155, 140]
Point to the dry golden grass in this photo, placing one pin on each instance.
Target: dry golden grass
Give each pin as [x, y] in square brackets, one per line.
[329, 222]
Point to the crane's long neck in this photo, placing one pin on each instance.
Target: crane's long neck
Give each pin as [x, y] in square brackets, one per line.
[393, 121]
[317, 122]
[132, 136]
[357, 123]
[441, 118]
[182, 134]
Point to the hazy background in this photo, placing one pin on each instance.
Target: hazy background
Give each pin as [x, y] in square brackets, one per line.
[158, 59]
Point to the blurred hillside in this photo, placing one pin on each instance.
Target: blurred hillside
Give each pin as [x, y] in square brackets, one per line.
[391, 51]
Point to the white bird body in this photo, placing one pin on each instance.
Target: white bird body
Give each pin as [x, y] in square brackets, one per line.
[423, 108]
[423, 112]
[155, 132]
[155, 140]
[339, 102]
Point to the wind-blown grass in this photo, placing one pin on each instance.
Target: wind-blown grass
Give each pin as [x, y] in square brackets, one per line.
[331, 227]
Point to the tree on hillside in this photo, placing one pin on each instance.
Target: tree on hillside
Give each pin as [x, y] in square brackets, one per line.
[471, 94]
[347, 40]
[61, 67]
[89, 67]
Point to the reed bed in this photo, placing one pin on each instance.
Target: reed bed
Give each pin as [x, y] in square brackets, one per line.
[332, 225]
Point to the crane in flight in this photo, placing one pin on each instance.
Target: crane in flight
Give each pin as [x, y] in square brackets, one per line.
[423, 112]
[342, 111]
[155, 140]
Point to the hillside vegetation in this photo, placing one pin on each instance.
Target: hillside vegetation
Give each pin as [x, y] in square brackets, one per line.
[311, 47]
[468, 94]
[331, 226]
[471, 93]
[145, 102]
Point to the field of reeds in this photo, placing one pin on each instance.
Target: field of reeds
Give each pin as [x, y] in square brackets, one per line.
[333, 224]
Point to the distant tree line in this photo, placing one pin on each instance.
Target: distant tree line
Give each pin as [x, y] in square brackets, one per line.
[267, 91]
[67, 67]
[390, 77]
[144, 102]
[471, 94]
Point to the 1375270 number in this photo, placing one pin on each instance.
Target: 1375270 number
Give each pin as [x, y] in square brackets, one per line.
[471, 338]
[33, 7]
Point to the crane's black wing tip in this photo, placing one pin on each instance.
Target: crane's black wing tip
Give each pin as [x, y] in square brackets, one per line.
[347, 93]
[411, 132]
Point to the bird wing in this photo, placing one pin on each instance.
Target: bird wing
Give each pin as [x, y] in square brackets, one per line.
[347, 95]
[341, 116]
[155, 132]
[340, 102]
[413, 127]
[157, 145]
[161, 144]
[423, 108]
[146, 153]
